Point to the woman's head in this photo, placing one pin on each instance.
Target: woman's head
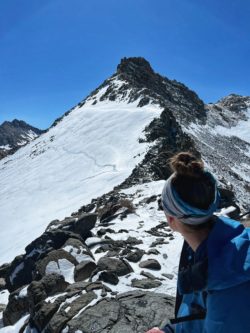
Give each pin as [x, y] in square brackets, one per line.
[190, 194]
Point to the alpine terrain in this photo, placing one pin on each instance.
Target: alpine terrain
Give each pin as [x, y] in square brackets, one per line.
[85, 246]
[14, 135]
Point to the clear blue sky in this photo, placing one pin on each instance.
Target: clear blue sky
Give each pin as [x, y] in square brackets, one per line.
[54, 52]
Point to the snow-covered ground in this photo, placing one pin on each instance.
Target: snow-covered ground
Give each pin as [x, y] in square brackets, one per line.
[147, 216]
[85, 155]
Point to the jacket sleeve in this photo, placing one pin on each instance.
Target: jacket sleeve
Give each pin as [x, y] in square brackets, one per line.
[168, 328]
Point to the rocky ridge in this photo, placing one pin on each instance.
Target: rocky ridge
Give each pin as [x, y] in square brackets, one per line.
[105, 264]
[14, 135]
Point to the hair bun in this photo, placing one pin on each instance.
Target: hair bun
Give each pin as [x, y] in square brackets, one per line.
[186, 164]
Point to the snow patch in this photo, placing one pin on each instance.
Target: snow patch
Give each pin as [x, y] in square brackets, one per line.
[62, 267]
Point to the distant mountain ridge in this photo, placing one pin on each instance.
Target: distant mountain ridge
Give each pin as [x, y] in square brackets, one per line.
[15, 134]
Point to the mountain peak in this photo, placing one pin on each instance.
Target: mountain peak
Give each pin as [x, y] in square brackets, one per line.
[134, 64]
[234, 102]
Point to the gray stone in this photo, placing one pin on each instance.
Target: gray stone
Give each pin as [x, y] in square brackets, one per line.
[135, 256]
[145, 283]
[118, 266]
[60, 318]
[2, 284]
[53, 256]
[168, 276]
[135, 311]
[109, 277]
[150, 264]
[84, 270]
[39, 290]
[16, 308]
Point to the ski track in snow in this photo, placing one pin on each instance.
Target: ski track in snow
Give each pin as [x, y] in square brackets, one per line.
[85, 155]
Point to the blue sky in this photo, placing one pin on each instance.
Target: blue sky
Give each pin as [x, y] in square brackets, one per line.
[54, 52]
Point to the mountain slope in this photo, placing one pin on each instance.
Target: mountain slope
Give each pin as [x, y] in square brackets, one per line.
[224, 143]
[102, 164]
[14, 135]
[120, 135]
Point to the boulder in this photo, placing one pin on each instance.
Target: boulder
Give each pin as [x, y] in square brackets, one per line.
[17, 306]
[84, 224]
[109, 277]
[52, 263]
[118, 266]
[135, 256]
[2, 284]
[84, 270]
[20, 273]
[145, 283]
[44, 314]
[49, 285]
[135, 311]
[150, 264]
[77, 249]
[68, 311]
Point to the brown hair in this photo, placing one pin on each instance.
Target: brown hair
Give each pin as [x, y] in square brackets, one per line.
[194, 186]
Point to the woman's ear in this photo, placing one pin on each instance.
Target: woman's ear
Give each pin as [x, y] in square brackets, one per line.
[172, 222]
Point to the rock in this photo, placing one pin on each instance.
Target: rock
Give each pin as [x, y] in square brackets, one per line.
[44, 315]
[113, 253]
[135, 311]
[55, 257]
[103, 231]
[84, 270]
[118, 266]
[17, 306]
[153, 251]
[84, 224]
[94, 286]
[68, 311]
[150, 264]
[148, 275]
[39, 290]
[159, 242]
[145, 283]
[77, 249]
[4, 271]
[77, 286]
[109, 277]
[19, 273]
[168, 276]
[2, 284]
[135, 256]
[133, 241]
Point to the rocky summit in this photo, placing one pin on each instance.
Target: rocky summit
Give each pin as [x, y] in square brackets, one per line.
[93, 252]
[14, 135]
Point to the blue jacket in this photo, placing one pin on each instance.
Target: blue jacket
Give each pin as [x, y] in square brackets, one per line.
[217, 281]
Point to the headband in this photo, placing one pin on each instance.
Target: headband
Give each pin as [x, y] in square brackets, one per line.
[173, 205]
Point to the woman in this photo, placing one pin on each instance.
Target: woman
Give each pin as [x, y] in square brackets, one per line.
[213, 288]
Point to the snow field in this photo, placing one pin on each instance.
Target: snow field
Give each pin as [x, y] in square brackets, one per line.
[85, 155]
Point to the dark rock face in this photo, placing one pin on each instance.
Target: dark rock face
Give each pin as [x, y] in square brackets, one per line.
[109, 277]
[135, 311]
[59, 320]
[84, 270]
[53, 256]
[49, 285]
[25, 268]
[14, 135]
[17, 307]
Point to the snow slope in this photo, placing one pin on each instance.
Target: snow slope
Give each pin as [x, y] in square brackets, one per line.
[85, 155]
